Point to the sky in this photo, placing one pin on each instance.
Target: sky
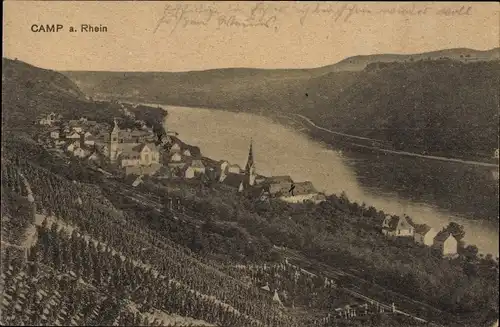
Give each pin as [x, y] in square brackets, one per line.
[175, 36]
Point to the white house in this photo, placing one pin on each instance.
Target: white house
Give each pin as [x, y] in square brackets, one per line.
[175, 148]
[496, 154]
[176, 157]
[300, 192]
[54, 134]
[45, 121]
[140, 155]
[73, 146]
[424, 234]
[195, 168]
[446, 243]
[279, 185]
[48, 120]
[59, 142]
[234, 169]
[149, 154]
[397, 226]
[77, 129]
[73, 135]
[90, 140]
[165, 139]
[187, 153]
[277, 299]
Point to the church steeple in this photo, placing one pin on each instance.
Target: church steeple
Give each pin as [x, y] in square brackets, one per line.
[250, 162]
[113, 142]
[250, 167]
[116, 129]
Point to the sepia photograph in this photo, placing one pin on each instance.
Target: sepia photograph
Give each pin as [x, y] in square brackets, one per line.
[250, 163]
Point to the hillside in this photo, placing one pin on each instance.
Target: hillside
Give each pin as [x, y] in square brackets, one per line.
[80, 247]
[358, 63]
[420, 103]
[29, 92]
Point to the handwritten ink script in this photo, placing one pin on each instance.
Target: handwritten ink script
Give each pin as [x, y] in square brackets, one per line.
[272, 15]
[186, 14]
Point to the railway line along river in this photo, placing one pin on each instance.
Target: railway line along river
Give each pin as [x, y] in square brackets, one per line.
[430, 191]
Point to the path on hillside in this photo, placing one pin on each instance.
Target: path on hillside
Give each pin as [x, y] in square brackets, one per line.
[401, 301]
[405, 153]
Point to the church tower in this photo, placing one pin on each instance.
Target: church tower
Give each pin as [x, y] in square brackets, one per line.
[113, 142]
[250, 168]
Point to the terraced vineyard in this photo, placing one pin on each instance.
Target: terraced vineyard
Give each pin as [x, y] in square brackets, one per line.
[79, 232]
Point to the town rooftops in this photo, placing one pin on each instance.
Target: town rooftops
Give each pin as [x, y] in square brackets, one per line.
[194, 150]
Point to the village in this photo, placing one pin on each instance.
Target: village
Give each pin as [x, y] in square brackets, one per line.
[139, 153]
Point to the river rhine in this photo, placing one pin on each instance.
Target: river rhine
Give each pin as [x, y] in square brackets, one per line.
[387, 183]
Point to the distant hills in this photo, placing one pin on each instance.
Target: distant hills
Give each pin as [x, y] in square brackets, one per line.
[442, 102]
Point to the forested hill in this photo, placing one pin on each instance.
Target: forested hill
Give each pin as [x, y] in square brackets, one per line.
[431, 103]
[29, 92]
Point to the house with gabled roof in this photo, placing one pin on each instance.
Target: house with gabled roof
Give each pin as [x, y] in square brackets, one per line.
[196, 167]
[302, 192]
[75, 135]
[278, 185]
[176, 147]
[143, 154]
[234, 169]
[446, 244]
[232, 180]
[424, 234]
[397, 226]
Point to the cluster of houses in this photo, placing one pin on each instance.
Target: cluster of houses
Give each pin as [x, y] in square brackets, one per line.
[443, 241]
[281, 187]
[133, 151]
[140, 152]
[76, 137]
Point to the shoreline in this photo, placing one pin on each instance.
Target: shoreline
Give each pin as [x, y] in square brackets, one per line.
[312, 124]
[420, 211]
[405, 153]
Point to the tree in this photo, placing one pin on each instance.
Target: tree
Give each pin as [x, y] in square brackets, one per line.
[471, 251]
[456, 230]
